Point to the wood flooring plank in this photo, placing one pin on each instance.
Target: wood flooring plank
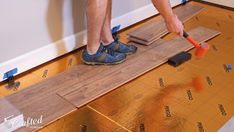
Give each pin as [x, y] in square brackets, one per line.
[187, 11]
[7, 110]
[178, 44]
[53, 84]
[150, 31]
[64, 80]
[154, 30]
[134, 67]
[141, 42]
[50, 108]
[95, 75]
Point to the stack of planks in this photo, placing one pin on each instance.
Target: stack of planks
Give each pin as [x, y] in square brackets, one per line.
[64, 93]
[152, 31]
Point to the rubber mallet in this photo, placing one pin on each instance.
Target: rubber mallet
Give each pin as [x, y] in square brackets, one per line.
[201, 49]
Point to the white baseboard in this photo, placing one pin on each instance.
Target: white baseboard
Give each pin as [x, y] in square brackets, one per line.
[39, 56]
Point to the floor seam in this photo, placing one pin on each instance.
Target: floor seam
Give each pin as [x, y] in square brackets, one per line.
[108, 118]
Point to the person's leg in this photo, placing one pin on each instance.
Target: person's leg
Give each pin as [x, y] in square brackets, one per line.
[107, 38]
[95, 53]
[106, 35]
[96, 13]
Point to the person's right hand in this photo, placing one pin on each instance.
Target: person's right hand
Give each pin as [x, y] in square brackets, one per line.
[174, 25]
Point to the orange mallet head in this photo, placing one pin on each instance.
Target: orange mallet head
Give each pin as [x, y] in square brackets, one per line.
[201, 50]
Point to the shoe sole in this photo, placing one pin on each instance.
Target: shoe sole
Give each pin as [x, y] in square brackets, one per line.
[101, 63]
[130, 53]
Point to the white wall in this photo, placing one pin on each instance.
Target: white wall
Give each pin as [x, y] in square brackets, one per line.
[228, 3]
[33, 32]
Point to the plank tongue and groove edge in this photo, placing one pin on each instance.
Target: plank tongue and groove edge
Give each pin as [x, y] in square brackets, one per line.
[81, 94]
[152, 31]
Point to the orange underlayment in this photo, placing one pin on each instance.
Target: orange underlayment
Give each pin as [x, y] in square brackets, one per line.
[196, 96]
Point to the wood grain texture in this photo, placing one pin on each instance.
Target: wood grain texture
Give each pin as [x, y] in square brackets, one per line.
[152, 31]
[134, 67]
[141, 42]
[50, 107]
[98, 72]
[178, 44]
[7, 110]
[63, 81]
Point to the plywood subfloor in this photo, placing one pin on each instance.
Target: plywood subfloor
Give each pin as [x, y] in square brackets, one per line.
[170, 91]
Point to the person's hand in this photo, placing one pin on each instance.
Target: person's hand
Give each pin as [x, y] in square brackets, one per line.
[174, 25]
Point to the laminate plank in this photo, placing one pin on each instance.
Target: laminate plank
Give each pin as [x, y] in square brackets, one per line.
[156, 29]
[150, 31]
[187, 11]
[175, 46]
[134, 67]
[53, 84]
[141, 42]
[102, 71]
[7, 110]
[50, 108]
[64, 80]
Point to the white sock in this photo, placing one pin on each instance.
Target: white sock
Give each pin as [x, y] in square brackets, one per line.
[91, 52]
[105, 44]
